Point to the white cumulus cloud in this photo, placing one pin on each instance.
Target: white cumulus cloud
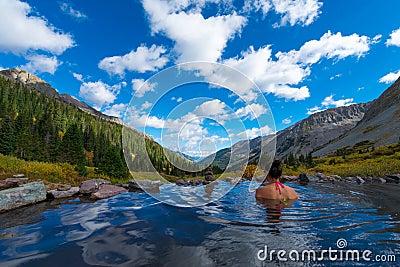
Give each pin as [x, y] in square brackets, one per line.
[390, 77]
[99, 93]
[330, 46]
[20, 31]
[283, 75]
[142, 60]
[195, 37]
[115, 110]
[41, 63]
[140, 87]
[314, 109]
[330, 102]
[254, 132]
[252, 111]
[276, 77]
[211, 108]
[303, 12]
[394, 38]
[292, 12]
[139, 118]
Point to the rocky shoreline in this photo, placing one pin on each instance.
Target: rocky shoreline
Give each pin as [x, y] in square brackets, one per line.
[305, 178]
[18, 191]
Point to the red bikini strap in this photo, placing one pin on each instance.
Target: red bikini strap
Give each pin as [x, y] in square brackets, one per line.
[278, 186]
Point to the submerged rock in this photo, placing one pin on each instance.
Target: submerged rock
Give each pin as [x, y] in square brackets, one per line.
[91, 186]
[303, 179]
[108, 190]
[21, 196]
[56, 194]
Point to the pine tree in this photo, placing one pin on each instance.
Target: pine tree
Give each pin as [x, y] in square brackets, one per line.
[7, 136]
[301, 158]
[309, 160]
[111, 164]
[291, 160]
[71, 148]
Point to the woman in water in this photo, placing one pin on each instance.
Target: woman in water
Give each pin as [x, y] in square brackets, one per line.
[275, 190]
[275, 196]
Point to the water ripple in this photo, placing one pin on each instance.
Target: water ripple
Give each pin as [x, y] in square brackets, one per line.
[134, 229]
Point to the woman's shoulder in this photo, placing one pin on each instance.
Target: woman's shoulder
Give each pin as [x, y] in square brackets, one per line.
[292, 194]
[264, 191]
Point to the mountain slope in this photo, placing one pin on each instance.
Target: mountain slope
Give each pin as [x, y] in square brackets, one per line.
[300, 138]
[380, 124]
[316, 130]
[31, 80]
[38, 119]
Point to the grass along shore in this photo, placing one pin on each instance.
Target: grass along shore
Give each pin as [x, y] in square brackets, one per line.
[49, 172]
[374, 163]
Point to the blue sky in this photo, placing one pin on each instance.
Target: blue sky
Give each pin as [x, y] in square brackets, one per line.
[304, 55]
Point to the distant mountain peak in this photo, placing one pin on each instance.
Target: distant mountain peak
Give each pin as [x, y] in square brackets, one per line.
[302, 137]
[23, 76]
[30, 79]
[379, 126]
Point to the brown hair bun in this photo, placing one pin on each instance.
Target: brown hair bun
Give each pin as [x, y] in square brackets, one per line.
[276, 169]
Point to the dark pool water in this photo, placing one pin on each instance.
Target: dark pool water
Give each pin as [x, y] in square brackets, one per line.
[133, 229]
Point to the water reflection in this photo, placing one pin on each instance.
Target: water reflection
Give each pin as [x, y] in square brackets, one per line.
[209, 189]
[274, 208]
[135, 230]
[114, 247]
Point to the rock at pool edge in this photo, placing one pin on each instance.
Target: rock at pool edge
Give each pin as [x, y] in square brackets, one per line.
[21, 196]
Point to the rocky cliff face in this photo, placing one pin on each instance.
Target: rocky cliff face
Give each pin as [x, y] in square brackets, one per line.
[29, 79]
[301, 138]
[380, 125]
[318, 129]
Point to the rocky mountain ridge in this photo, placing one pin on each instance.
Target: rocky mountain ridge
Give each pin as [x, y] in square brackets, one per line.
[323, 133]
[380, 125]
[35, 82]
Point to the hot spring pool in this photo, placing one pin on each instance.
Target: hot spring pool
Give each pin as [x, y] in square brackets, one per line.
[133, 229]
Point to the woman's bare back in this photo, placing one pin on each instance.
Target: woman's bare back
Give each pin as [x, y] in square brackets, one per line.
[271, 192]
